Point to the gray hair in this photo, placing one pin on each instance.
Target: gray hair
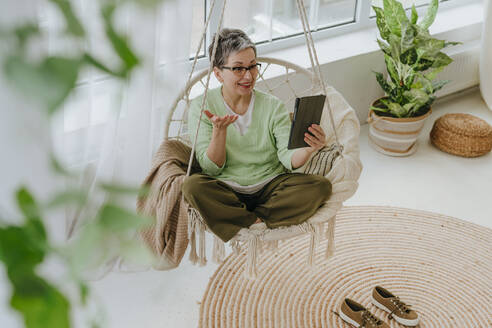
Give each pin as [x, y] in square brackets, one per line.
[230, 40]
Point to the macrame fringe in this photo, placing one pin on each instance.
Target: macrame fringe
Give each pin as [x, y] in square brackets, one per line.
[255, 245]
[315, 232]
[236, 246]
[330, 236]
[252, 256]
[219, 250]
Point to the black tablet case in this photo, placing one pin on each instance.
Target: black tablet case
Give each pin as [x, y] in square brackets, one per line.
[307, 111]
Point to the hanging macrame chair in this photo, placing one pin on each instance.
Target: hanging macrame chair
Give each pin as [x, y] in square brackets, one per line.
[339, 122]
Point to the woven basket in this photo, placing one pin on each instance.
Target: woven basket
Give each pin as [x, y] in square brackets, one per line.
[462, 134]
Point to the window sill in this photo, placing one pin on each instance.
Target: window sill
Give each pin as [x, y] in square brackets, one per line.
[463, 24]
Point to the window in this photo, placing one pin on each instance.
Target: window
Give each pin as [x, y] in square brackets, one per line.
[275, 24]
[407, 4]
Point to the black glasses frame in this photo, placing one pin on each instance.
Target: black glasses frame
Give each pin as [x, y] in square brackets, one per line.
[241, 70]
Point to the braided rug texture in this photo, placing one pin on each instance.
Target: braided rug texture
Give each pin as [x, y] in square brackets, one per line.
[441, 266]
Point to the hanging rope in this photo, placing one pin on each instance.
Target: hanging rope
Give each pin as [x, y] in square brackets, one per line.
[316, 68]
[204, 99]
[304, 28]
[201, 41]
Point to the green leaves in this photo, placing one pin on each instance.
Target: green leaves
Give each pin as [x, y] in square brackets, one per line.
[27, 205]
[441, 59]
[73, 24]
[49, 82]
[22, 249]
[439, 84]
[430, 15]
[382, 82]
[124, 189]
[392, 69]
[381, 23]
[407, 34]
[409, 53]
[394, 15]
[429, 48]
[40, 303]
[114, 218]
[119, 43]
[415, 15]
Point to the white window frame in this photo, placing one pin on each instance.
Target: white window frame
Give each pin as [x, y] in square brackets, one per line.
[362, 21]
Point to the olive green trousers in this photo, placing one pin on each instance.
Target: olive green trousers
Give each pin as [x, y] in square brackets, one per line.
[288, 199]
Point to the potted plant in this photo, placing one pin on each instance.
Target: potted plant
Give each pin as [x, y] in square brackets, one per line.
[413, 59]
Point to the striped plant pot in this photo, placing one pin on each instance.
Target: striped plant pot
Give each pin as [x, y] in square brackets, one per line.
[395, 136]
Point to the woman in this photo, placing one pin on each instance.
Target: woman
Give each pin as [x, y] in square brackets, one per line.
[242, 150]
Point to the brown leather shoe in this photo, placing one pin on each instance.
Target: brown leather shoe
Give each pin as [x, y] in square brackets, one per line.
[398, 310]
[358, 316]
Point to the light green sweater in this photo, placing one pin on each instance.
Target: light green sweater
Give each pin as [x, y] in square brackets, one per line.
[259, 154]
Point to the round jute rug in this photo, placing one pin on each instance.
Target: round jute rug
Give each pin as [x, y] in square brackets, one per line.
[440, 265]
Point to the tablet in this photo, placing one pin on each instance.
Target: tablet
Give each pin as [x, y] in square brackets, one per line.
[307, 111]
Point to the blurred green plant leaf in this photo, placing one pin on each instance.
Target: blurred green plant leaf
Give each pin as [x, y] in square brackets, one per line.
[22, 248]
[89, 59]
[25, 32]
[73, 196]
[27, 204]
[118, 42]
[114, 218]
[84, 292]
[49, 82]
[73, 24]
[40, 304]
[59, 168]
[124, 189]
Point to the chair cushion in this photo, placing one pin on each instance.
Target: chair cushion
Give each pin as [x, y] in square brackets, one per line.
[462, 134]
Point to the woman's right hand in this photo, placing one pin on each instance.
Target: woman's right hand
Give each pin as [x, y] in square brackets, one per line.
[221, 122]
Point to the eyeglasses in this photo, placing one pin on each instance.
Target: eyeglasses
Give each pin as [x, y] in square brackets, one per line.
[241, 70]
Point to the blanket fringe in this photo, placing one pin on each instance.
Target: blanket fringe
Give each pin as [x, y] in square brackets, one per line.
[191, 235]
[196, 226]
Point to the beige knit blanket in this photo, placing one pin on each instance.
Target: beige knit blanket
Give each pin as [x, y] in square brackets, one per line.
[168, 236]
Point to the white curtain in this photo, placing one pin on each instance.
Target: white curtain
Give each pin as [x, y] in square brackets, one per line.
[486, 56]
[110, 129]
[107, 129]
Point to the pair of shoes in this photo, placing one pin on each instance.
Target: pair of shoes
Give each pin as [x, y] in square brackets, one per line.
[358, 316]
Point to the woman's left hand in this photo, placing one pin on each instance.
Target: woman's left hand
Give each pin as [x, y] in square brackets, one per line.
[316, 139]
